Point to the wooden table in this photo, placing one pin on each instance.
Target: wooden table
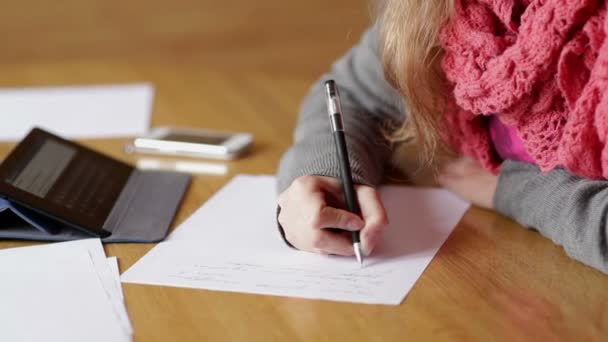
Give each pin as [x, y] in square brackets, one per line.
[245, 65]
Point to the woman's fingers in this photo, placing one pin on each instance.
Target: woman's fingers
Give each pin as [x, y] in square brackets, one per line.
[328, 217]
[308, 230]
[374, 215]
[466, 178]
[307, 211]
[326, 241]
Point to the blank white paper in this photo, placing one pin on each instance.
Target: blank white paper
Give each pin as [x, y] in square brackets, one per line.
[102, 111]
[237, 215]
[232, 244]
[108, 277]
[113, 263]
[55, 293]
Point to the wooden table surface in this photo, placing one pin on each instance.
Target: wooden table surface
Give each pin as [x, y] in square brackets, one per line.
[245, 65]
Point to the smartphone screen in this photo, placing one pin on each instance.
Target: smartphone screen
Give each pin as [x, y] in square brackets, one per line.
[197, 139]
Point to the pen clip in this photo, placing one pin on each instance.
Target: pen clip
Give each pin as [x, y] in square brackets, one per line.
[334, 107]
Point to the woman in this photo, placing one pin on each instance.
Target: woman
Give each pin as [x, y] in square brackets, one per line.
[515, 86]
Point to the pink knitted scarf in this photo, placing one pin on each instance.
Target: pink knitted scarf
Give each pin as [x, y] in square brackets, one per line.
[542, 67]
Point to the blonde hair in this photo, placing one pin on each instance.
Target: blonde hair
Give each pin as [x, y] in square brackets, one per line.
[411, 55]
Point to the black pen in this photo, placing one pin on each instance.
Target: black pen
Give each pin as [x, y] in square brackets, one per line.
[334, 109]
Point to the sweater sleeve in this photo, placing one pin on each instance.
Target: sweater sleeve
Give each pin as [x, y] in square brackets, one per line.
[567, 209]
[368, 102]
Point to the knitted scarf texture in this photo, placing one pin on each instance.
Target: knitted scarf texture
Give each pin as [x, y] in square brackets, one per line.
[542, 67]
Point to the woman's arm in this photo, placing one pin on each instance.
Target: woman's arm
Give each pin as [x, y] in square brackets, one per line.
[570, 210]
[368, 102]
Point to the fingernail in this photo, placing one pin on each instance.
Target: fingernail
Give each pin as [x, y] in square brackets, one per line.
[366, 249]
[354, 224]
[368, 243]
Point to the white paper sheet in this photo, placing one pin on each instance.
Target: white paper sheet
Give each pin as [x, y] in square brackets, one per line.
[113, 263]
[108, 278]
[111, 280]
[77, 112]
[238, 214]
[56, 292]
[232, 244]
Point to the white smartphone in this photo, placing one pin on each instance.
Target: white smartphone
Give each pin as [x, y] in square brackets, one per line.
[193, 143]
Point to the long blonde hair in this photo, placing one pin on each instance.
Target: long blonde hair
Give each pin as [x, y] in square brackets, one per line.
[411, 55]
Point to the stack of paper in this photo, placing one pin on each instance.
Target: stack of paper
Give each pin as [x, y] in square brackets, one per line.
[77, 112]
[232, 244]
[62, 292]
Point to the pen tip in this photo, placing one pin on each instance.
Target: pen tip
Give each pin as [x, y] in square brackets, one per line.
[358, 254]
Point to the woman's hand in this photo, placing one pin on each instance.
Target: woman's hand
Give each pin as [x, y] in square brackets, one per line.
[310, 207]
[466, 178]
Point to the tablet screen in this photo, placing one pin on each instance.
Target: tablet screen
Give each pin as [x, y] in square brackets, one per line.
[42, 171]
[64, 180]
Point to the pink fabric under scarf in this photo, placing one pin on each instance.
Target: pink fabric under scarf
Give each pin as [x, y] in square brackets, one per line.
[507, 142]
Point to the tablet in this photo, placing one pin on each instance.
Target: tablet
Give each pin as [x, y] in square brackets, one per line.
[62, 180]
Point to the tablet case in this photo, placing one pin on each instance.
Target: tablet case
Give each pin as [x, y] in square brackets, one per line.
[143, 212]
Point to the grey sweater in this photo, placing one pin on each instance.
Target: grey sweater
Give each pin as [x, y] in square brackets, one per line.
[569, 210]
